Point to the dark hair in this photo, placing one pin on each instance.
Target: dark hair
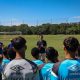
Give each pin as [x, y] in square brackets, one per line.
[35, 53]
[18, 42]
[5, 52]
[52, 54]
[11, 53]
[71, 44]
[78, 54]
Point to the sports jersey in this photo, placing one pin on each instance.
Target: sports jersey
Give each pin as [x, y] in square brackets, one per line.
[38, 62]
[1, 70]
[45, 69]
[5, 62]
[69, 70]
[20, 69]
[51, 75]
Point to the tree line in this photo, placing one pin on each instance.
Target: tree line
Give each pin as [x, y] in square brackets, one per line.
[63, 28]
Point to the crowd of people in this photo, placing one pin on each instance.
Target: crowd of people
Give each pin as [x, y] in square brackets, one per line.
[45, 64]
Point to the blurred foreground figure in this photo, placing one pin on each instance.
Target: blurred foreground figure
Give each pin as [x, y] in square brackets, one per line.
[20, 68]
[5, 60]
[68, 69]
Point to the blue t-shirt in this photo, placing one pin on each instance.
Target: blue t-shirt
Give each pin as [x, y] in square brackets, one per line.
[45, 69]
[51, 75]
[69, 70]
[38, 62]
[5, 62]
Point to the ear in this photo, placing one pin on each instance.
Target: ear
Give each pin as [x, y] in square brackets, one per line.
[14, 49]
[64, 49]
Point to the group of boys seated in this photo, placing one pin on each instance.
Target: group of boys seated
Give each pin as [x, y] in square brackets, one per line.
[44, 66]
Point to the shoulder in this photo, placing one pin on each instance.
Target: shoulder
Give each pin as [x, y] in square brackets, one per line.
[33, 65]
[37, 61]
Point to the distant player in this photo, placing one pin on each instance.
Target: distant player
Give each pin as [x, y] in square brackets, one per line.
[35, 53]
[10, 44]
[42, 44]
[69, 69]
[52, 57]
[20, 68]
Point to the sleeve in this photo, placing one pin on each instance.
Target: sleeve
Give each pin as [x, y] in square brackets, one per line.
[5, 73]
[51, 75]
[35, 70]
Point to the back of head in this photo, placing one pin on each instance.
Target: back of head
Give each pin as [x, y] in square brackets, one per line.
[5, 52]
[11, 53]
[35, 53]
[52, 54]
[71, 45]
[19, 43]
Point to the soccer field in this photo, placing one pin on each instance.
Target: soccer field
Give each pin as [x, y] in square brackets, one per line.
[55, 41]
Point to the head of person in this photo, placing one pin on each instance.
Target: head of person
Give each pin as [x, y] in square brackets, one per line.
[70, 46]
[5, 52]
[78, 52]
[19, 44]
[35, 53]
[11, 53]
[52, 54]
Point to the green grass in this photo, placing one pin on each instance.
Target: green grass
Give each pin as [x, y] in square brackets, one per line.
[55, 41]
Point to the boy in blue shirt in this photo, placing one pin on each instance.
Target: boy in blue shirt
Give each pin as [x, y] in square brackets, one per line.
[69, 69]
[5, 60]
[52, 57]
[35, 54]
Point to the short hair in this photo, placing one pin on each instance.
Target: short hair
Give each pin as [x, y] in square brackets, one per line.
[52, 54]
[18, 42]
[35, 53]
[71, 44]
[11, 53]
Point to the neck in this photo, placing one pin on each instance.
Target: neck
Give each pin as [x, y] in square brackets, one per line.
[4, 57]
[68, 56]
[18, 56]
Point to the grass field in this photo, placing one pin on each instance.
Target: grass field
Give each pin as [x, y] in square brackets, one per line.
[52, 40]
